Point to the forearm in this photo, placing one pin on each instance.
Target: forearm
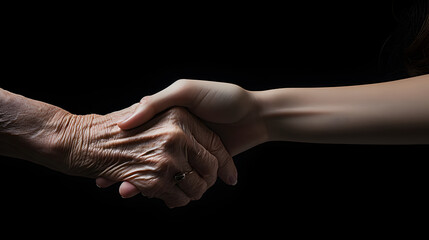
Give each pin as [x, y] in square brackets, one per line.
[394, 112]
[29, 128]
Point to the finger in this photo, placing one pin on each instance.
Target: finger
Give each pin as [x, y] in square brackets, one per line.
[202, 161]
[210, 141]
[127, 190]
[177, 94]
[227, 170]
[102, 182]
[143, 113]
[162, 188]
[193, 185]
[175, 197]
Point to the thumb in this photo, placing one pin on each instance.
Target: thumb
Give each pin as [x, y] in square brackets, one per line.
[143, 113]
[180, 93]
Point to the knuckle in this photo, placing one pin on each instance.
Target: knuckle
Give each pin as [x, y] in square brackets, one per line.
[201, 187]
[186, 88]
[160, 169]
[211, 165]
[173, 136]
[216, 143]
[211, 180]
[177, 114]
[182, 83]
[152, 188]
[156, 184]
[218, 149]
[144, 99]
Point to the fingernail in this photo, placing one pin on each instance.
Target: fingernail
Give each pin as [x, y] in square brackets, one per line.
[232, 180]
[139, 105]
[128, 116]
[125, 118]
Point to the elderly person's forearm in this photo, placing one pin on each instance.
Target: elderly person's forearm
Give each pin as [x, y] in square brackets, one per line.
[29, 128]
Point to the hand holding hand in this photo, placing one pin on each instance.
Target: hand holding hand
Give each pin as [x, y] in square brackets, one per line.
[147, 158]
[228, 109]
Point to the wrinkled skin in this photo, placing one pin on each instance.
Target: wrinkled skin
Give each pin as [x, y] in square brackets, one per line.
[148, 157]
[229, 110]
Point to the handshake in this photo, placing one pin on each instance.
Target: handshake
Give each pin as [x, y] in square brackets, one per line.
[174, 144]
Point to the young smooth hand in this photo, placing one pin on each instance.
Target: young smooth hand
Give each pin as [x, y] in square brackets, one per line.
[227, 109]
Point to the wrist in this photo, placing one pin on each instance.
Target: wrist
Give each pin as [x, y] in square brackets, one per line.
[52, 146]
[76, 138]
[260, 120]
[274, 108]
[69, 141]
[262, 106]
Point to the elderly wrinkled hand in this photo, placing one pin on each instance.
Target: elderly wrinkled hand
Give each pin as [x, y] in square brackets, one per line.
[173, 157]
[229, 110]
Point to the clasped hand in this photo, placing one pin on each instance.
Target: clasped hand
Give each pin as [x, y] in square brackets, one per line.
[149, 156]
[174, 144]
[166, 134]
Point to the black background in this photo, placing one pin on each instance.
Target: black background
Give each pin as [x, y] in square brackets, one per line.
[98, 59]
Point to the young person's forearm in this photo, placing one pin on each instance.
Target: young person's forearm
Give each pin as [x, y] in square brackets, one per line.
[394, 112]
